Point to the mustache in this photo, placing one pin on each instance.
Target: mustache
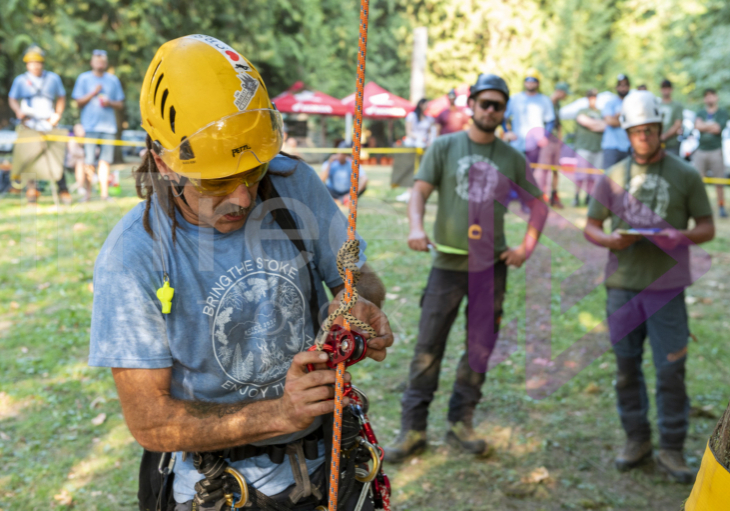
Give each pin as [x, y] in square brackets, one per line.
[232, 209]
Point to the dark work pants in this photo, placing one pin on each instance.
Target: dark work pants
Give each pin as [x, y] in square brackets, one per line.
[668, 333]
[439, 308]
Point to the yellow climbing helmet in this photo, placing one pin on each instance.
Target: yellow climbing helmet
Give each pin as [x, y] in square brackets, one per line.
[533, 73]
[207, 111]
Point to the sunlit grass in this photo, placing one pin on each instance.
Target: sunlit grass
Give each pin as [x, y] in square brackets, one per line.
[49, 396]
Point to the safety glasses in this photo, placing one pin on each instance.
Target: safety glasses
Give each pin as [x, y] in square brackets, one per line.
[227, 185]
[239, 142]
[485, 104]
[647, 131]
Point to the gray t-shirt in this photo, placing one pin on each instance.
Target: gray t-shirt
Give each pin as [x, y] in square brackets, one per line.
[240, 312]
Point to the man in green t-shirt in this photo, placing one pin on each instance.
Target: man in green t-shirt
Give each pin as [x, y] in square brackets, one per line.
[589, 127]
[708, 159]
[672, 116]
[654, 193]
[474, 173]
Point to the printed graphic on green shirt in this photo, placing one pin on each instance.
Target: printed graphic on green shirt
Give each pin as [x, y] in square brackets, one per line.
[710, 141]
[661, 195]
[495, 169]
[671, 113]
[585, 138]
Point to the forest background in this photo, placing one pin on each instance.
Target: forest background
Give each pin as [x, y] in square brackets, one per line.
[583, 42]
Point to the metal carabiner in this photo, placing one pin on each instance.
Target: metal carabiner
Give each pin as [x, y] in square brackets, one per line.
[375, 468]
[244, 489]
[166, 470]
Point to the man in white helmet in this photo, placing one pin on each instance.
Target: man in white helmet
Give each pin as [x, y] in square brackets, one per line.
[649, 197]
[209, 293]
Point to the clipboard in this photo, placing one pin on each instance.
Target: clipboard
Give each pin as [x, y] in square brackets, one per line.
[641, 232]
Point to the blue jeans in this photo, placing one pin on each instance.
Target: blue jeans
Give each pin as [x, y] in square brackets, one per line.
[106, 152]
[668, 331]
[612, 157]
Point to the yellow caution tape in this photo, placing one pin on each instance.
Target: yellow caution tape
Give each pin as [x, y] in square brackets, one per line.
[711, 491]
[80, 140]
[600, 172]
[371, 150]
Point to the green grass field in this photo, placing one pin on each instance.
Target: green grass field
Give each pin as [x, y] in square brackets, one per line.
[63, 441]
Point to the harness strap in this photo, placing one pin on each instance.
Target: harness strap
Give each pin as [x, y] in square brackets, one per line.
[284, 219]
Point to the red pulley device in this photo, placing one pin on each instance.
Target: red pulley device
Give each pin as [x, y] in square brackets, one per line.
[342, 345]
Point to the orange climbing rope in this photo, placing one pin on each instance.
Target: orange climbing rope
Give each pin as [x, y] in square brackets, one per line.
[352, 223]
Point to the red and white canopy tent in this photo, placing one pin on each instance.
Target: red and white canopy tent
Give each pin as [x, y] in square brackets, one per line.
[298, 100]
[438, 105]
[378, 103]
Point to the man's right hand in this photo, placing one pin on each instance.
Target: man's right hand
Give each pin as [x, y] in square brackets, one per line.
[418, 240]
[617, 241]
[307, 395]
[97, 90]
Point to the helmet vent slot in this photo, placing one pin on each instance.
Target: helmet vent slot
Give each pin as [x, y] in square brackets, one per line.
[164, 100]
[172, 118]
[154, 98]
[155, 74]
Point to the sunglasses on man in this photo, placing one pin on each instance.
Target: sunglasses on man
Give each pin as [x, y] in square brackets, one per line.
[486, 104]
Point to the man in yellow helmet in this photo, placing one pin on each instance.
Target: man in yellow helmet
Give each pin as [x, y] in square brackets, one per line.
[38, 99]
[236, 241]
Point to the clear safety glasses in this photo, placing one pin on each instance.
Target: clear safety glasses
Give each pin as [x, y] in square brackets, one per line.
[235, 144]
[227, 185]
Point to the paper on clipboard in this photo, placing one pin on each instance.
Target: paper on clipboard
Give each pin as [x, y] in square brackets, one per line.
[641, 232]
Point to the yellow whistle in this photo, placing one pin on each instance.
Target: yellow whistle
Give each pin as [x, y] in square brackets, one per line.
[165, 294]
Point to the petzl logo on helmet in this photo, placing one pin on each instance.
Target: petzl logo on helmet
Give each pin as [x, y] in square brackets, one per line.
[239, 150]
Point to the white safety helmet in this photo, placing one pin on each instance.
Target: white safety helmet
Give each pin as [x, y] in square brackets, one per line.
[640, 107]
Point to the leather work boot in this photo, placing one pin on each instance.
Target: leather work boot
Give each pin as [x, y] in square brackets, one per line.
[633, 455]
[672, 462]
[555, 200]
[462, 435]
[408, 443]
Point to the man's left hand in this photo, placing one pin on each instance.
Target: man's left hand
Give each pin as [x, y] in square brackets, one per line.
[667, 239]
[514, 256]
[53, 119]
[366, 311]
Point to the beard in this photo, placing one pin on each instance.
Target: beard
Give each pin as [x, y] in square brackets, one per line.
[483, 126]
[622, 95]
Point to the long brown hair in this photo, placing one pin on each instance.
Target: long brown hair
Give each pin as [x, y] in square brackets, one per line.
[148, 181]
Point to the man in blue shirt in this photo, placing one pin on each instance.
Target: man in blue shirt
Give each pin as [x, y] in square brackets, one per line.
[38, 99]
[336, 173]
[207, 298]
[532, 117]
[615, 142]
[98, 94]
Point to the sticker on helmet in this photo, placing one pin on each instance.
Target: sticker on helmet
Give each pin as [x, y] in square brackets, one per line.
[249, 86]
[237, 62]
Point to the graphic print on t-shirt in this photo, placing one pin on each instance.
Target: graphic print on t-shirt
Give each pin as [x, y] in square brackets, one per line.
[259, 325]
[644, 188]
[484, 178]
